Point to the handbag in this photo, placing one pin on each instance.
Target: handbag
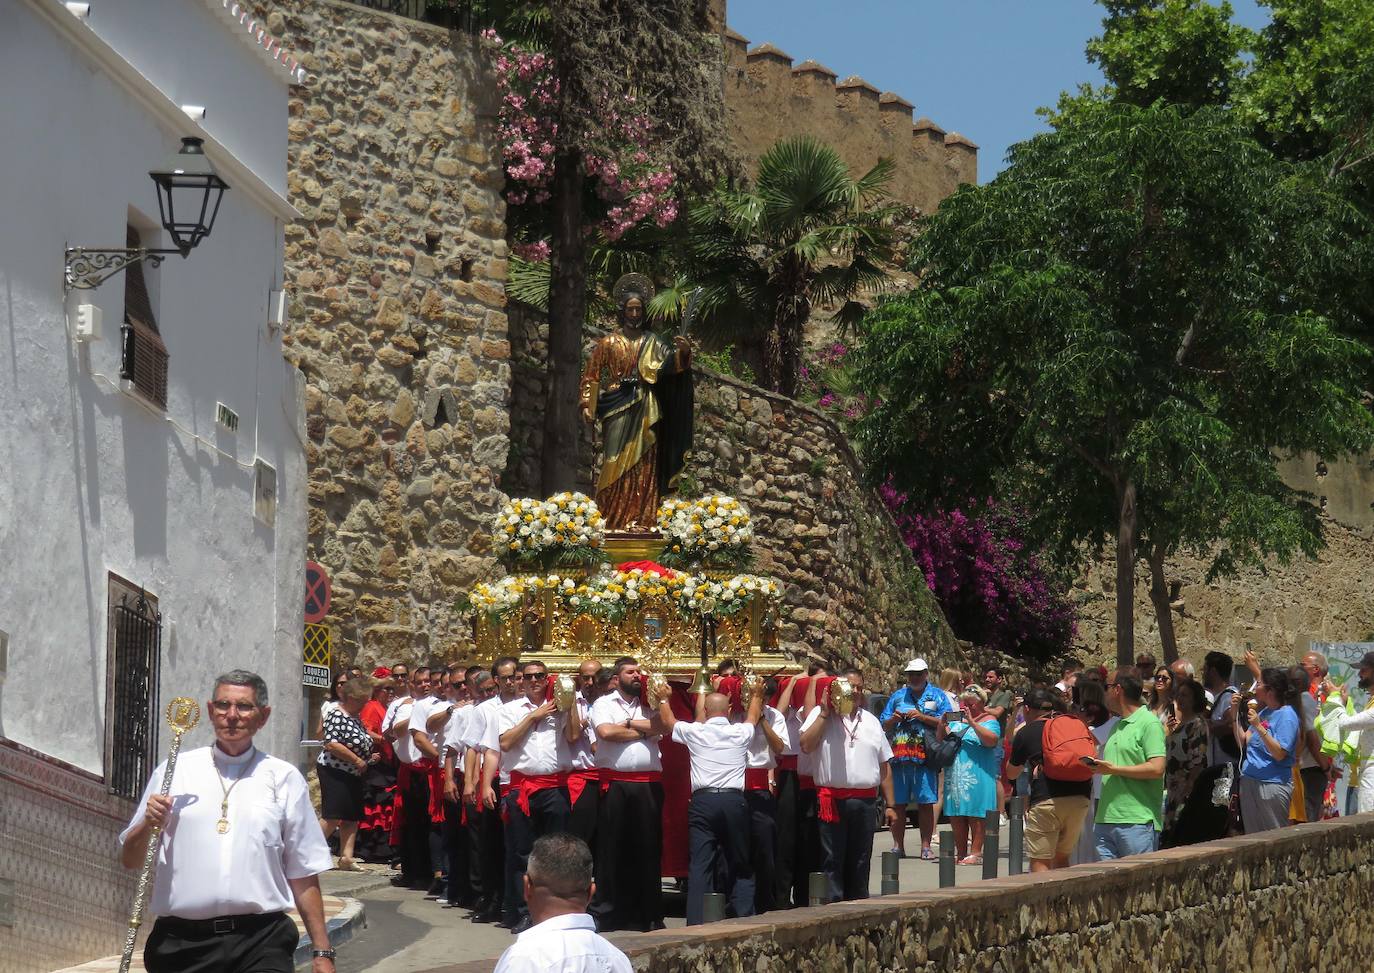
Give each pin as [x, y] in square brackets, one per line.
[941, 753]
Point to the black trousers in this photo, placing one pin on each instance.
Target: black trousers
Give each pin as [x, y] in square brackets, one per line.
[417, 859]
[629, 883]
[584, 814]
[549, 813]
[1314, 791]
[763, 844]
[491, 853]
[256, 944]
[456, 852]
[847, 847]
[718, 844]
[798, 840]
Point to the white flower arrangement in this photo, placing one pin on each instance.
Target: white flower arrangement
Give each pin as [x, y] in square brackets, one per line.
[563, 531]
[497, 599]
[612, 595]
[712, 531]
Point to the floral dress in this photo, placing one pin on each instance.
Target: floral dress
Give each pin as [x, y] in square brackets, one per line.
[971, 781]
[1186, 750]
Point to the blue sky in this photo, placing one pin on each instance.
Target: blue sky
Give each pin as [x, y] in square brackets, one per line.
[978, 67]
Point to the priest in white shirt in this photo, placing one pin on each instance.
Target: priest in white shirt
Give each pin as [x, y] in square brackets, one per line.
[629, 869]
[240, 845]
[563, 939]
[851, 766]
[717, 816]
[536, 747]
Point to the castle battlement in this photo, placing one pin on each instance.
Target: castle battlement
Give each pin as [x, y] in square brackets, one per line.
[767, 99]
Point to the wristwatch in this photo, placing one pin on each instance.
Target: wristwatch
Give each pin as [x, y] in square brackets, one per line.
[322, 954]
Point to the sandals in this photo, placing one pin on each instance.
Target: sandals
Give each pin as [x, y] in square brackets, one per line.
[927, 855]
[971, 860]
[347, 865]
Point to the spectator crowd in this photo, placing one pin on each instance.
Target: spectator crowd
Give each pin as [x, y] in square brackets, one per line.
[452, 773]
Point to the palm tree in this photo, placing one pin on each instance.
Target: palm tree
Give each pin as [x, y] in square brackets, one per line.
[759, 258]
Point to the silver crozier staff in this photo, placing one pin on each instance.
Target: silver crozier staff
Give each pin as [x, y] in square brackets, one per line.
[182, 714]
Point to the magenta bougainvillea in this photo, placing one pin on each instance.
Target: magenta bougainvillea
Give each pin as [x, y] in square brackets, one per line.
[632, 188]
[991, 586]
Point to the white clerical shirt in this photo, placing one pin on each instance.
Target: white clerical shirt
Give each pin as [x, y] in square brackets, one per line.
[719, 751]
[635, 756]
[565, 944]
[273, 835]
[852, 750]
[543, 750]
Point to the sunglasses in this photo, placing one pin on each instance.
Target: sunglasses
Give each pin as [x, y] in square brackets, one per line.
[534, 676]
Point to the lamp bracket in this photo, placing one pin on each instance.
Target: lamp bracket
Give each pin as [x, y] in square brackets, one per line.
[86, 268]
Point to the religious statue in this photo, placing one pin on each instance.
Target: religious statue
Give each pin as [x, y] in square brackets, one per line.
[640, 387]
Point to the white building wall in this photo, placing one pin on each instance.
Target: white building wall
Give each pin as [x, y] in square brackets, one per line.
[194, 57]
[91, 479]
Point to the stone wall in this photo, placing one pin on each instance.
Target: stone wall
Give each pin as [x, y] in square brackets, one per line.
[396, 274]
[1295, 899]
[768, 99]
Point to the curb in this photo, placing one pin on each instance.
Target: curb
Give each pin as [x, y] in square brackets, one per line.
[342, 928]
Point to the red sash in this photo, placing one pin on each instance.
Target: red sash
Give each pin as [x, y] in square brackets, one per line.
[806, 783]
[756, 779]
[788, 762]
[525, 785]
[578, 781]
[827, 796]
[630, 776]
[436, 791]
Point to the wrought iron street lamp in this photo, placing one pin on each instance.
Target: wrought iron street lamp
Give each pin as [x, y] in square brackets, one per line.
[188, 197]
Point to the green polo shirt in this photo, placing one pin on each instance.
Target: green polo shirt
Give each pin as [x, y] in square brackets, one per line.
[1134, 740]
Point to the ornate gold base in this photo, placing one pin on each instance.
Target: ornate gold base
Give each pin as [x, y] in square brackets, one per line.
[655, 634]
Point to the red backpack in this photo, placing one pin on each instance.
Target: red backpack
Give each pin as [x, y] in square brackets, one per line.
[1066, 740]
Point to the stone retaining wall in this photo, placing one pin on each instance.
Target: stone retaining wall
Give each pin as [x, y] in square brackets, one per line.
[396, 273]
[1290, 900]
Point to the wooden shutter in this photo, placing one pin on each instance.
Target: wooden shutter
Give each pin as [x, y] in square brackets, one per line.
[145, 355]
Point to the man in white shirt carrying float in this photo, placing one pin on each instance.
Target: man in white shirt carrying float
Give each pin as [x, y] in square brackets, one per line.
[428, 717]
[629, 852]
[482, 790]
[240, 845]
[718, 816]
[412, 788]
[536, 749]
[558, 884]
[851, 767]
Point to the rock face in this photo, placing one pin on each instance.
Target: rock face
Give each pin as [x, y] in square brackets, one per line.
[1278, 609]
[396, 272]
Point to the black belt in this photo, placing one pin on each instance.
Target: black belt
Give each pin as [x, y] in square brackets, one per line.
[220, 925]
[718, 790]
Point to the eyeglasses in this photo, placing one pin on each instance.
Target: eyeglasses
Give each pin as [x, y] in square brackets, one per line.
[1163, 675]
[223, 706]
[1112, 685]
[513, 677]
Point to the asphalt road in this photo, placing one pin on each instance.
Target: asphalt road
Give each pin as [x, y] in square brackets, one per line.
[407, 933]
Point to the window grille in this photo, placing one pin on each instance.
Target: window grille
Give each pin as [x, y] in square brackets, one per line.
[135, 654]
[144, 359]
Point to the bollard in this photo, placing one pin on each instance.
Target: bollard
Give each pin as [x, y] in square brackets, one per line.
[818, 888]
[991, 843]
[946, 859]
[891, 864]
[1016, 845]
[713, 907]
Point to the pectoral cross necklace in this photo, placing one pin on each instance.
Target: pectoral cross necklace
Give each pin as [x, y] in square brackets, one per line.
[222, 825]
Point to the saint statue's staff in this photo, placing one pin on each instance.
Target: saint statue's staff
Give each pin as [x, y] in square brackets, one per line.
[182, 714]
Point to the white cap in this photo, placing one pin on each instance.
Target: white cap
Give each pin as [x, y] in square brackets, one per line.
[917, 665]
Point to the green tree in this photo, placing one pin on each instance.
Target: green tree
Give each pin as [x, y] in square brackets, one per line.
[1123, 330]
[1184, 52]
[805, 233]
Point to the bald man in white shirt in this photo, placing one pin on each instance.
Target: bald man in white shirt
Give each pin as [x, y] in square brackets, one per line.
[240, 845]
[718, 815]
[558, 885]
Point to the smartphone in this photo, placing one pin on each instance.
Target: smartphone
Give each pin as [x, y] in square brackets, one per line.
[1088, 761]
